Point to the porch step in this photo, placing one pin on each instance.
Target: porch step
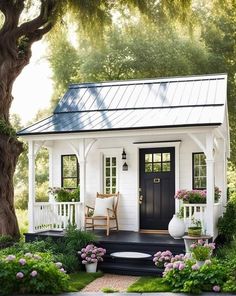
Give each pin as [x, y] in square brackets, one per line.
[130, 268]
[136, 242]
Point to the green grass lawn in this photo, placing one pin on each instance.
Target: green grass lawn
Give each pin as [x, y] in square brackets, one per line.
[79, 280]
[149, 284]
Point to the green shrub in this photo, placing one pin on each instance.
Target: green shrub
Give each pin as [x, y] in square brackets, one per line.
[65, 194]
[31, 273]
[227, 223]
[6, 241]
[190, 278]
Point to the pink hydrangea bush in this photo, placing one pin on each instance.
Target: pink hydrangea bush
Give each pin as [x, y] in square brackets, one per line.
[201, 250]
[91, 254]
[183, 274]
[196, 196]
[32, 273]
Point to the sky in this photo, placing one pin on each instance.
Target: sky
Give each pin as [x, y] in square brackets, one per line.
[32, 89]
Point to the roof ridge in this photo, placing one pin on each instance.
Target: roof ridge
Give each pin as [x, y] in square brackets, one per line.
[216, 76]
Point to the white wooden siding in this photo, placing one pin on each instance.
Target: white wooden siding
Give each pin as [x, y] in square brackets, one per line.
[128, 183]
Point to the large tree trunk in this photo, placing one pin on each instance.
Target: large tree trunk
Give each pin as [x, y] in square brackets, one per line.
[16, 40]
[10, 149]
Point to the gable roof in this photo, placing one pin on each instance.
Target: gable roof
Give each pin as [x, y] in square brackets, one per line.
[135, 104]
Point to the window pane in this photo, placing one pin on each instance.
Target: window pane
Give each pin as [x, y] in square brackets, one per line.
[113, 161]
[113, 190]
[157, 167]
[202, 158]
[166, 166]
[148, 157]
[157, 157]
[203, 182]
[202, 171]
[196, 171]
[196, 183]
[108, 161]
[148, 167]
[69, 183]
[199, 171]
[108, 182]
[70, 171]
[165, 156]
[110, 174]
[113, 172]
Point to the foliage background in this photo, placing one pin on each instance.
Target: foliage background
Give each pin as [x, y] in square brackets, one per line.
[166, 41]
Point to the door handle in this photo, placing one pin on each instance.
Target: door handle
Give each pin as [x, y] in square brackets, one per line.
[156, 180]
[140, 199]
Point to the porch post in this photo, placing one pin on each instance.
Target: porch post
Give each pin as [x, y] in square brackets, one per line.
[31, 201]
[210, 183]
[82, 164]
[50, 173]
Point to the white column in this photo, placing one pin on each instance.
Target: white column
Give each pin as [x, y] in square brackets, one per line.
[31, 201]
[50, 173]
[82, 167]
[210, 183]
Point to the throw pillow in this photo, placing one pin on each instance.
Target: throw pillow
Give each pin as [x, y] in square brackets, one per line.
[101, 205]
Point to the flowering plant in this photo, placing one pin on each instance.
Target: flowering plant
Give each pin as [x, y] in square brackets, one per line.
[31, 273]
[161, 258]
[196, 196]
[201, 250]
[92, 254]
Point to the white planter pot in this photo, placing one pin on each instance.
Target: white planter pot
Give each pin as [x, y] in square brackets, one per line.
[92, 267]
[200, 263]
[176, 227]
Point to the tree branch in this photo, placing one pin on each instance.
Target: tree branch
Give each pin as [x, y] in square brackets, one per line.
[12, 11]
[46, 15]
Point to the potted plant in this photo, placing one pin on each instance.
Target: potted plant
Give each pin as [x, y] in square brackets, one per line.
[195, 229]
[91, 255]
[65, 194]
[201, 251]
[196, 196]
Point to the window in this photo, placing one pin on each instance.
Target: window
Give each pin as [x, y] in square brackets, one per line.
[199, 171]
[69, 171]
[157, 162]
[110, 174]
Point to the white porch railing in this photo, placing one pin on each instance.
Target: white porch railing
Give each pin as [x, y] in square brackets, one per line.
[56, 215]
[198, 212]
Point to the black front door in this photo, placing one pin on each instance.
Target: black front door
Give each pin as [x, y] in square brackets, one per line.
[157, 187]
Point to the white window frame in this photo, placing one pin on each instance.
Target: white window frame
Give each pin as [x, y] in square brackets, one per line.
[111, 177]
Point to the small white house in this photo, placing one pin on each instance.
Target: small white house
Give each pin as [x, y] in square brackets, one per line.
[144, 138]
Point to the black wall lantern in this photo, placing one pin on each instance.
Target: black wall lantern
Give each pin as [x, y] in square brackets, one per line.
[125, 167]
[123, 154]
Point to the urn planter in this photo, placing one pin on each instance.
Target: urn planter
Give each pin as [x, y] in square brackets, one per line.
[176, 227]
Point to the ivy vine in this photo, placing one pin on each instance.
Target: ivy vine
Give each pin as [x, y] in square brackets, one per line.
[7, 129]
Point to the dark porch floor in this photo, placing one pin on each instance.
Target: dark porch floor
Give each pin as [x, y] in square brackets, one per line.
[117, 237]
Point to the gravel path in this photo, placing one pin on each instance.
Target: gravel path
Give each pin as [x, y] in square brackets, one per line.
[112, 281]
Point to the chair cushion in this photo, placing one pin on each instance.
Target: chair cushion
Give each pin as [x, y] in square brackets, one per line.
[101, 205]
